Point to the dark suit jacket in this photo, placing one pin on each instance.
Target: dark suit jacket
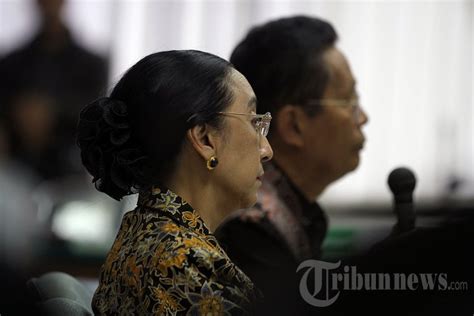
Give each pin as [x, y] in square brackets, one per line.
[270, 240]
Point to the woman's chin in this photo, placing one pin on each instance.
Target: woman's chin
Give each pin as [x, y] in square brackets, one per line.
[250, 200]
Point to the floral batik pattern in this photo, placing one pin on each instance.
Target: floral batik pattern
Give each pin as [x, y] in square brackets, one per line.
[165, 261]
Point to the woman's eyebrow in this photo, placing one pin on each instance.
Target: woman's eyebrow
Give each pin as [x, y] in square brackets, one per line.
[252, 104]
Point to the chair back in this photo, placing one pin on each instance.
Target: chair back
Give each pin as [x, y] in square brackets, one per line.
[59, 294]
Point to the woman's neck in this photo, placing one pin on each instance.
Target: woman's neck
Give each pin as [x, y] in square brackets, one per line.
[201, 195]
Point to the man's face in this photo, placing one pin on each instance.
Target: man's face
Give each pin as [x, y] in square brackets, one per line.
[334, 138]
[50, 9]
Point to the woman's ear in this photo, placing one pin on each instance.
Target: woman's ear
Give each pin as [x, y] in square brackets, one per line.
[203, 138]
[290, 125]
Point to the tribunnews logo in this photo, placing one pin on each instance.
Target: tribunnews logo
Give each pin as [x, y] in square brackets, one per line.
[321, 272]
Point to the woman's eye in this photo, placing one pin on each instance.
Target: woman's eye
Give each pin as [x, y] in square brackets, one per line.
[256, 122]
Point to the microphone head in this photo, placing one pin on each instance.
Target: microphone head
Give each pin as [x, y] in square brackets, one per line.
[401, 181]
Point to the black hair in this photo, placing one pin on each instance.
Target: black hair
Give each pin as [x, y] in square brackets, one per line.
[283, 60]
[130, 140]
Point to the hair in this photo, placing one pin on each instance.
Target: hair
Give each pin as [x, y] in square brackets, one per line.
[283, 60]
[130, 140]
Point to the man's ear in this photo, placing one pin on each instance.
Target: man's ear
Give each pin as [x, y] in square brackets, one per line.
[290, 123]
[203, 139]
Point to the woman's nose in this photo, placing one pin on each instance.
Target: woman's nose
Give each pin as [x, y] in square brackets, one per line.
[266, 151]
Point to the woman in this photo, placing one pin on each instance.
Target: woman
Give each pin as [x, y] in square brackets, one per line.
[179, 128]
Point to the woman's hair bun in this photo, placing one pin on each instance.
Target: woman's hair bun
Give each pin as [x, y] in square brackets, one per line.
[107, 152]
[131, 140]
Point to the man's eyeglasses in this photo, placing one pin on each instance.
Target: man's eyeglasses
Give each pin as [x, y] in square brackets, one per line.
[261, 122]
[352, 104]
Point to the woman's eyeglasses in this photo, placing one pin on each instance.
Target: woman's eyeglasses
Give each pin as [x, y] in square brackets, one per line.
[261, 122]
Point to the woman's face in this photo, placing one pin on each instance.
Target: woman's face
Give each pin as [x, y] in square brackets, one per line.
[243, 149]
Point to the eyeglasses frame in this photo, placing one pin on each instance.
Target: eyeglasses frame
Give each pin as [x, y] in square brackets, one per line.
[263, 119]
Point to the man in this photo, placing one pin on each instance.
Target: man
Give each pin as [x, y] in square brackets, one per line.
[43, 86]
[306, 83]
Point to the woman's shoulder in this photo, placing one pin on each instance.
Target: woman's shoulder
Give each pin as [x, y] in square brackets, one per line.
[161, 241]
[165, 261]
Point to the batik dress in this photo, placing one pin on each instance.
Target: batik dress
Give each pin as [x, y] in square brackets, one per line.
[165, 261]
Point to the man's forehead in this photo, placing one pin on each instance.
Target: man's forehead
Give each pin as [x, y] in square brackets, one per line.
[340, 74]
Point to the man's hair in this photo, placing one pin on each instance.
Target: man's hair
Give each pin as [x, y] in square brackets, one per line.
[283, 60]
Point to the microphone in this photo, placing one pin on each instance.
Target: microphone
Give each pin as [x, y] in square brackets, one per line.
[402, 182]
